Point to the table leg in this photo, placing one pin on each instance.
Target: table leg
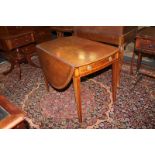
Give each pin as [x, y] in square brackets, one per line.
[114, 79]
[132, 62]
[139, 61]
[121, 47]
[76, 83]
[46, 83]
[19, 70]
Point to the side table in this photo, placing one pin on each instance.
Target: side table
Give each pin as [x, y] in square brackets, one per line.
[68, 58]
[145, 44]
[10, 115]
[18, 47]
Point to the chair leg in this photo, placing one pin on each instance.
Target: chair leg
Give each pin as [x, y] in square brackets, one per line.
[60, 34]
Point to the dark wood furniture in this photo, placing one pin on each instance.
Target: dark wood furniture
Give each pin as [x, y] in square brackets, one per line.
[73, 57]
[145, 44]
[118, 36]
[17, 43]
[10, 115]
[18, 47]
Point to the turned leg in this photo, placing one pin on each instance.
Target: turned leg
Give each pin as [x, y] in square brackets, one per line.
[114, 79]
[19, 70]
[76, 83]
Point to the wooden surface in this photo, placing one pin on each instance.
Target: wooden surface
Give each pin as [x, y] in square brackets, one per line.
[77, 51]
[84, 56]
[15, 116]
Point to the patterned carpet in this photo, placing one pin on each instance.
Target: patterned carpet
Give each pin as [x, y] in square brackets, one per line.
[134, 108]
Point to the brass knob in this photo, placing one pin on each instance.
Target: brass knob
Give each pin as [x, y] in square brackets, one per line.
[89, 67]
[110, 58]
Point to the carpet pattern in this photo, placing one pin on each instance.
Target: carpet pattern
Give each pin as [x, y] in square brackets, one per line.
[134, 108]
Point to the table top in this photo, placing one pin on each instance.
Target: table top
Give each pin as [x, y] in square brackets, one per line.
[77, 51]
[147, 33]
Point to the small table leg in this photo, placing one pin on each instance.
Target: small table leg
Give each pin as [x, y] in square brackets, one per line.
[76, 83]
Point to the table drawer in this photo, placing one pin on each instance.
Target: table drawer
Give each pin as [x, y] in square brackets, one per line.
[87, 69]
[145, 44]
[22, 40]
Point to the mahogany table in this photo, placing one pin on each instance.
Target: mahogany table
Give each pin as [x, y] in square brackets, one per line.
[72, 57]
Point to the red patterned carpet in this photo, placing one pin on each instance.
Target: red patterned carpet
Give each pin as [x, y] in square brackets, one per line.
[134, 108]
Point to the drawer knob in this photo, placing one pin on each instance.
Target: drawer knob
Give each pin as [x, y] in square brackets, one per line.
[110, 58]
[89, 67]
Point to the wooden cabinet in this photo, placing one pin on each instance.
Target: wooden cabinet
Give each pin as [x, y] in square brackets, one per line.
[145, 45]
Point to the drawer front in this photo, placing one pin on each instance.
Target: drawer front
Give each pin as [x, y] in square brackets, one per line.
[22, 40]
[87, 69]
[145, 44]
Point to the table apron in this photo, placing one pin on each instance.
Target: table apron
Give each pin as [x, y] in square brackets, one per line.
[84, 70]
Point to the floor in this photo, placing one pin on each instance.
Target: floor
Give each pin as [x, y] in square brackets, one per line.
[134, 108]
